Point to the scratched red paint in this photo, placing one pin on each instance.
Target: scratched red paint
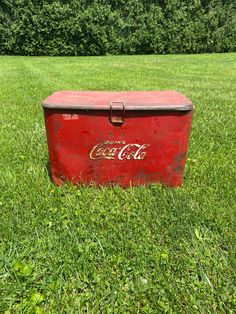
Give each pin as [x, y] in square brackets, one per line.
[125, 138]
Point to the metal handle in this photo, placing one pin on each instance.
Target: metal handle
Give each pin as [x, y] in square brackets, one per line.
[120, 118]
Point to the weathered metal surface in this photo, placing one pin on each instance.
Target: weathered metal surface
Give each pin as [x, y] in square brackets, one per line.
[113, 144]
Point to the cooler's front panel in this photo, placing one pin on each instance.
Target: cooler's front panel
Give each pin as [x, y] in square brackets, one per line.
[86, 147]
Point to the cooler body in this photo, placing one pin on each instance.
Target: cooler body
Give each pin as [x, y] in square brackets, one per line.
[128, 139]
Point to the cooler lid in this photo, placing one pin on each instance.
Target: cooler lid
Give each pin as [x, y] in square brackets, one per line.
[131, 100]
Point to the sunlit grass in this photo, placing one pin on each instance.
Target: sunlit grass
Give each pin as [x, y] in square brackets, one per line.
[109, 250]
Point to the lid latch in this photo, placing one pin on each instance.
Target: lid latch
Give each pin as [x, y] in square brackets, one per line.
[117, 112]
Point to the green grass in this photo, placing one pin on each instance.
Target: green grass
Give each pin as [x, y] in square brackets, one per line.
[109, 250]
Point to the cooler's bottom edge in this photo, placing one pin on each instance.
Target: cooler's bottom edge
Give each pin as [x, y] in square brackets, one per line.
[62, 180]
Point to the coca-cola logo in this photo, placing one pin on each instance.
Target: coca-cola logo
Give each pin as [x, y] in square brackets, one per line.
[118, 150]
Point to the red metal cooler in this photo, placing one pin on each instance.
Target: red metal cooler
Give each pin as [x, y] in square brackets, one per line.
[125, 138]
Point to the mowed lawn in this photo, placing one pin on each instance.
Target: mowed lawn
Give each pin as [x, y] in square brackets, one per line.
[112, 250]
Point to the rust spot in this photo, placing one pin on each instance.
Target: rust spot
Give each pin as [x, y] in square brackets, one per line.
[180, 157]
[111, 183]
[58, 180]
[179, 169]
[57, 126]
[178, 162]
[142, 175]
[63, 178]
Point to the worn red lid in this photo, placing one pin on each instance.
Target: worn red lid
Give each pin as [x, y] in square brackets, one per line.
[131, 100]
